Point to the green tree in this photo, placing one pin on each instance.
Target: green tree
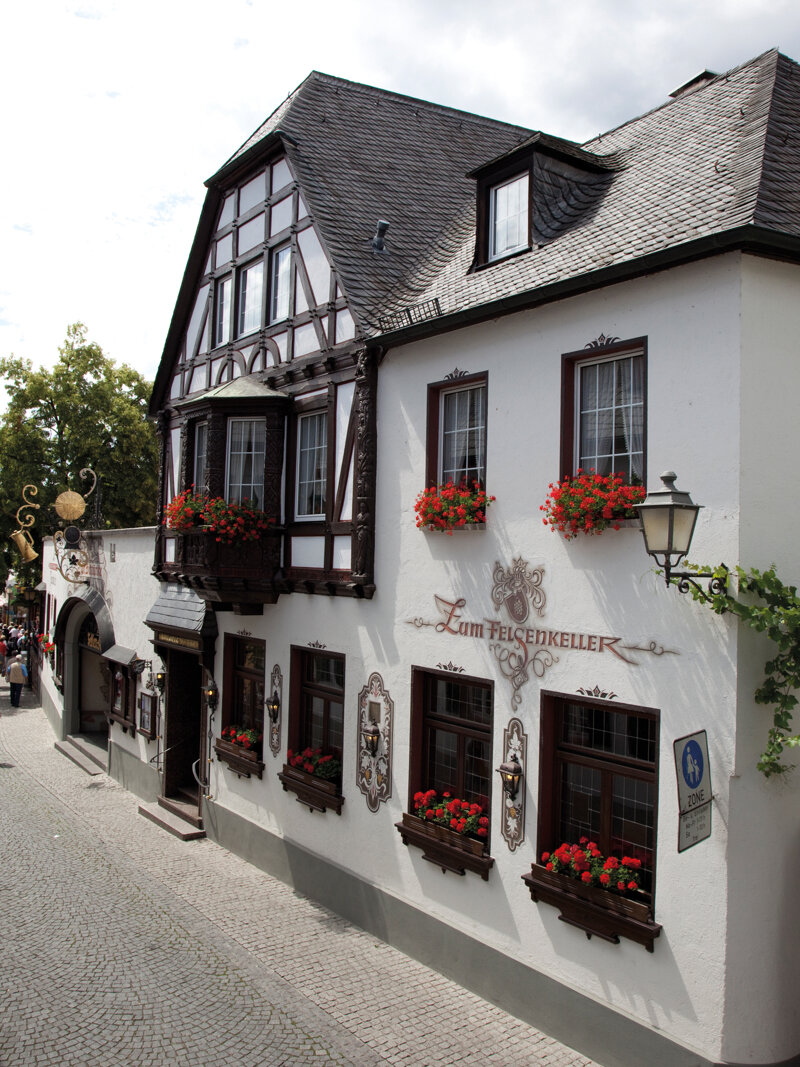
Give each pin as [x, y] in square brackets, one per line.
[85, 412]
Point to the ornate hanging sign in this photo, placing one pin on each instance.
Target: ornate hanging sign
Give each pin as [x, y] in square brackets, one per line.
[276, 691]
[521, 647]
[375, 717]
[512, 817]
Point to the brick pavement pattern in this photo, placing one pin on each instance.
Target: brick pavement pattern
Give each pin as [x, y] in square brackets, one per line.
[123, 945]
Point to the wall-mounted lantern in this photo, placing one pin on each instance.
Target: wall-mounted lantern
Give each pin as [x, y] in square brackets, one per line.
[372, 737]
[211, 693]
[668, 518]
[161, 681]
[511, 775]
[273, 705]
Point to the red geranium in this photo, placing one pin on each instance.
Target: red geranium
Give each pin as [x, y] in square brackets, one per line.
[590, 503]
[586, 863]
[460, 816]
[446, 507]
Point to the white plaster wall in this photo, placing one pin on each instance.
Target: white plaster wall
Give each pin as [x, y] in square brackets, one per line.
[602, 585]
[764, 844]
[129, 590]
[723, 967]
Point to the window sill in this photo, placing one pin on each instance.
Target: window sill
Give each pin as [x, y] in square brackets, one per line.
[317, 794]
[126, 724]
[504, 258]
[440, 846]
[593, 910]
[244, 761]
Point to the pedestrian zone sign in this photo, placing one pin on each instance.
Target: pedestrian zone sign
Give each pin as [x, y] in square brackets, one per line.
[694, 789]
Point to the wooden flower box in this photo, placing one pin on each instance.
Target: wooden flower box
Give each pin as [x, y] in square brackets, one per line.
[317, 794]
[244, 761]
[468, 527]
[445, 848]
[593, 910]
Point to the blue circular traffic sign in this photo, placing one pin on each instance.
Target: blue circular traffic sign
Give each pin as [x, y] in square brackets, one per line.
[692, 764]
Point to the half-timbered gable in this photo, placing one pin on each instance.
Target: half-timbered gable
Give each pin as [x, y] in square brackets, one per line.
[266, 390]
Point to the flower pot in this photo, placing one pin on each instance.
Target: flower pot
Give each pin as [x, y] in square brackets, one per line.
[593, 910]
[244, 761]
[317, 794]
[445, 848]
[469, 527]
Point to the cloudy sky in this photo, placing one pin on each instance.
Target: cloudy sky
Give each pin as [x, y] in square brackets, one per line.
[116, 111]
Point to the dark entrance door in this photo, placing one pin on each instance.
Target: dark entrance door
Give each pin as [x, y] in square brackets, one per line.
[183, 726]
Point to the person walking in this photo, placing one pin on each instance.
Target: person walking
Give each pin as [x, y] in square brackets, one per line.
[3, 653]
[16, 680]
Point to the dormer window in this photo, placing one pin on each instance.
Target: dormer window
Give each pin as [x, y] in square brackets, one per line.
[508, 217]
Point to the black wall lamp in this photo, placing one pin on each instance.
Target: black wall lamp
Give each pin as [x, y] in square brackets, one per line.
[668, 518]
[211, 693]
[273, 706]
[372, 737]
[161, 681]
[510, 775]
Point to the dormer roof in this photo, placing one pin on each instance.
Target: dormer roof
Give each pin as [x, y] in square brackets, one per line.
[712, 169]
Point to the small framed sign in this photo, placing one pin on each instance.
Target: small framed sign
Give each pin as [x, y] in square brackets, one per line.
[147, 715]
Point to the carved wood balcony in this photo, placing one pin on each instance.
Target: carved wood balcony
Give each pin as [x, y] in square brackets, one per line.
[243, 573]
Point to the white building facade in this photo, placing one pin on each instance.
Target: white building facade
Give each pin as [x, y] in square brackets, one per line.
[504, 640]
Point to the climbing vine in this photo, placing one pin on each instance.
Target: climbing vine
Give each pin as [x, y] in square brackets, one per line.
[771, 608]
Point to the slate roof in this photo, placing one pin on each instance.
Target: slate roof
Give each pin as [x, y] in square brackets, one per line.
[244, 388]
[362, 154]
[707, 164]
[180, 608]
[716, 167]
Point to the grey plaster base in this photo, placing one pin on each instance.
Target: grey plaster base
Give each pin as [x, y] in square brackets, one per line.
[141, 779]
[54, 713]
[585, 1025]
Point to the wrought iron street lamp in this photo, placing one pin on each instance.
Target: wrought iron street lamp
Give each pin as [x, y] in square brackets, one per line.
[668, 519]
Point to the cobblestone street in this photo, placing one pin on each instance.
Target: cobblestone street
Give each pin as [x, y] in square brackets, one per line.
[124, 945]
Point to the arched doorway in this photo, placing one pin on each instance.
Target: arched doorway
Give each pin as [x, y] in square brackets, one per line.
[83, 633]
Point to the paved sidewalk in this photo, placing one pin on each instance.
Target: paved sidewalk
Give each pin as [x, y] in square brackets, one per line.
[123, 945]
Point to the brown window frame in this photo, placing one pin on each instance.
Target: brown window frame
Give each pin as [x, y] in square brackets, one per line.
[315, 405]
[423, 719]
[555, 752]
[301, 687]
[123, 714]
[570, 362]
[435, 393]
[234, 672]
